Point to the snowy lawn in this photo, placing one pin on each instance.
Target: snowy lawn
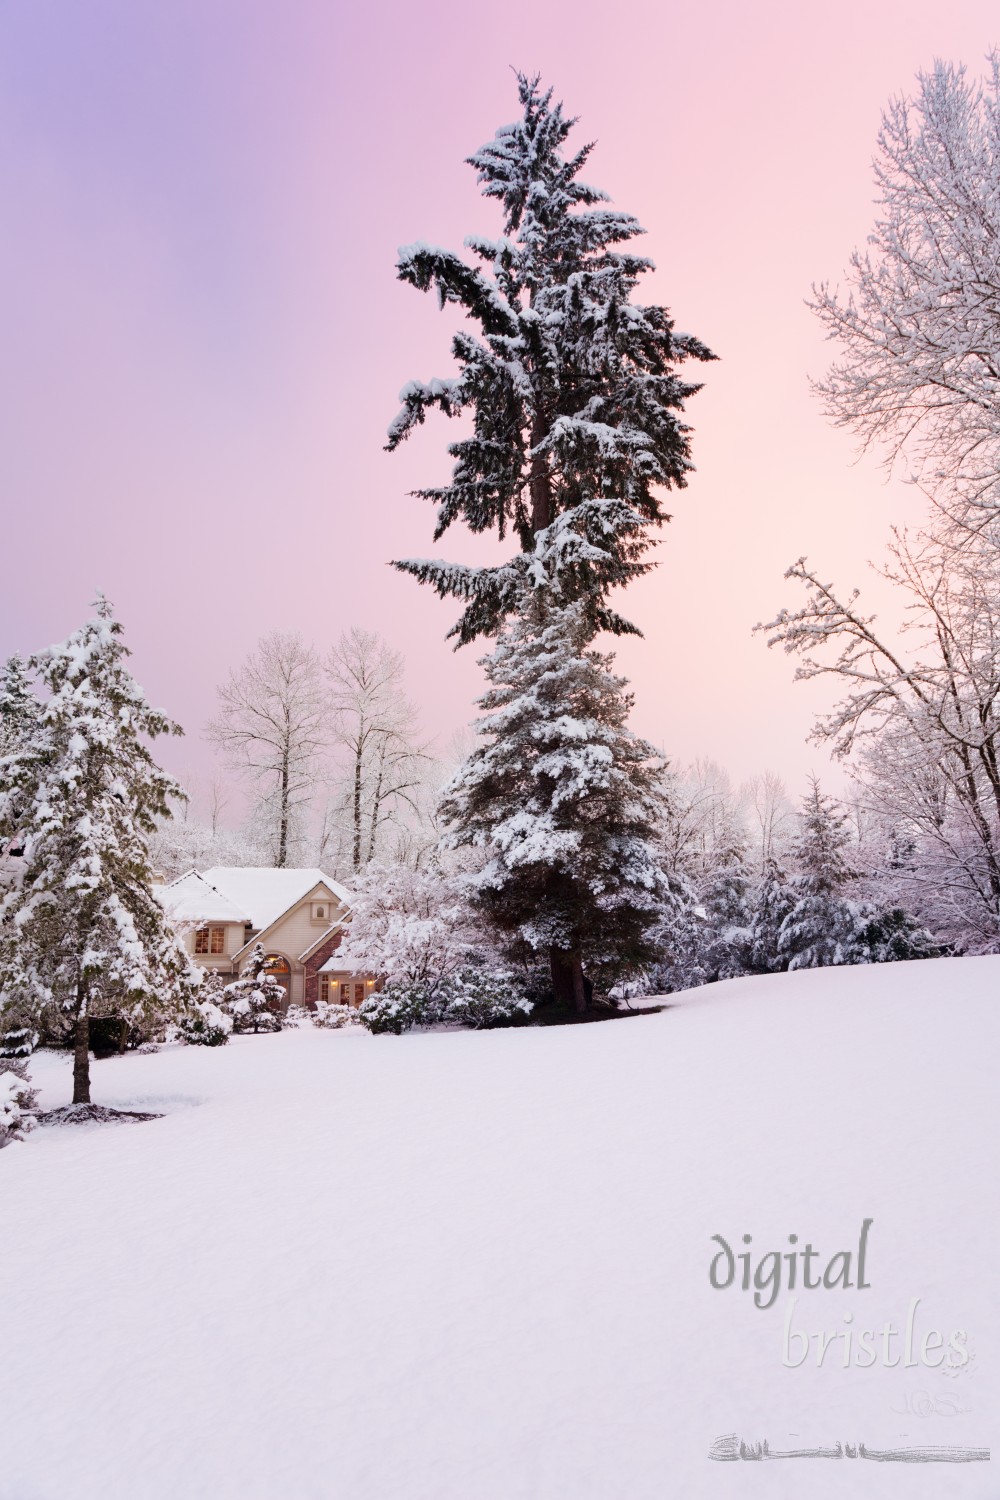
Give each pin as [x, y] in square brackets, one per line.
[464, 1266]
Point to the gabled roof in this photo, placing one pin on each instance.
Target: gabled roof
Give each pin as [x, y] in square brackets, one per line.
[192, 898]
[266, 893]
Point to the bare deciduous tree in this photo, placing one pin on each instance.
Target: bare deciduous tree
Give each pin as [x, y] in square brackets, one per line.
[769, 814]
[924, 720]
[274, 727]
[919, 325]
[383, 763]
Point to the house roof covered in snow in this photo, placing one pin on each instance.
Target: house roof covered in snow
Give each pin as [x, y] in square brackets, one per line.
[192, 898]
[265, 894]
[337, 965]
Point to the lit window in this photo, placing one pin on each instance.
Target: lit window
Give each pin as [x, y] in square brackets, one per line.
[345, 994]
[210, 940]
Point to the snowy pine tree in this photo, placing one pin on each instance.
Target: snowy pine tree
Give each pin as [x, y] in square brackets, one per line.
[822, 927]
[723, 896]
[19, 708]
[575, 401]
[81, 933]
[772, 903]
[255, 1000]
[564, 800]
[18, 1102]
[679, 939]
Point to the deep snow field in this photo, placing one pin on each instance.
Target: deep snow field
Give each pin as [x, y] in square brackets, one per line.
[458, 1266]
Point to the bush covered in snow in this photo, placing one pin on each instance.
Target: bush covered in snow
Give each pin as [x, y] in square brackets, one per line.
[17, 1102]
[476, 998]
[296, 1015]
[207, 1025]
[400, 1006]
[333, 1017]
[481, 998]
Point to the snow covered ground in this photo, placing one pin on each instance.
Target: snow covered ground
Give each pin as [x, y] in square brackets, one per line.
[464, 1266]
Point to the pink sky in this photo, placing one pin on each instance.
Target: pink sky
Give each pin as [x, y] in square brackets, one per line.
[203, 339]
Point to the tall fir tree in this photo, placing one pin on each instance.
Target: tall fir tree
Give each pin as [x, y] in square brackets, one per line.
[573, 388]
[563, 800]
[823, 926]
[772, 903]
[81, 932]
[724, 899]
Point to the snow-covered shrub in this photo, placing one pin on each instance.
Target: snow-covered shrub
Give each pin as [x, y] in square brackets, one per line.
[333, 1017]
[481, 998]
[254, 1001]
[402, 1005]
[17, 1102]
[296, 1015]
[207, 1025]
[475, 997]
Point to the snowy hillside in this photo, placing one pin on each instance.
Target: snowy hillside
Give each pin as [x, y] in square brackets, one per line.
[475, 1266]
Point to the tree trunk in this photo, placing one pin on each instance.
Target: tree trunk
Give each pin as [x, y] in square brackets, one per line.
[540, 483]
[562, 979]
[579, 985]
[357, 806]
[81, 1058]
[283, 830]
[376, 808]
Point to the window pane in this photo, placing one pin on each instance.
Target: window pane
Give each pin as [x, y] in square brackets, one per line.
[218, 940]
[201, 940]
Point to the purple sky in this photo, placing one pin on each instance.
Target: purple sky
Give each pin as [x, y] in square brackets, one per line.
[203, 339]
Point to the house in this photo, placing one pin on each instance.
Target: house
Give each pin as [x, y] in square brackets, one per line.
[298, 916]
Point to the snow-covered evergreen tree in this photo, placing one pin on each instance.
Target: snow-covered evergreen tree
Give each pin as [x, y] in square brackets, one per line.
[679, 939]
[81, 933]
[255, 1000]
[19, 708]
[572, 387]
[723, 896]
[18, 1102]
[771, 904]
[563, 801]
[823, 926]
[206, 1023]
